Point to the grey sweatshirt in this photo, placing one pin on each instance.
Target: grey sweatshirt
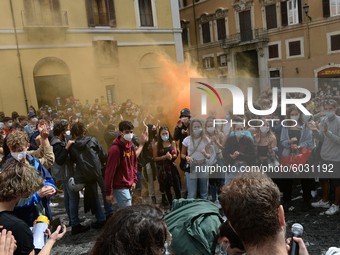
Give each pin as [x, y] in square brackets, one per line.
[330, 150]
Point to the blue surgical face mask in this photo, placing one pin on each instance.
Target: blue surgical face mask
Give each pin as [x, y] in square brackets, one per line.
[329, 114]
[165, 138]
[227, 117]
[198, 131]
[224, 252]
[321, 108]
[78, 114]
[69, 109]
[239, 134]
[323, 118]
[99, 115]
[10, 124]
[49, 111]
[276, 118]
[306, 117]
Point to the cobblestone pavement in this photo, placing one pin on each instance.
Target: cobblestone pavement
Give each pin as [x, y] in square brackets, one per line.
[320, 231]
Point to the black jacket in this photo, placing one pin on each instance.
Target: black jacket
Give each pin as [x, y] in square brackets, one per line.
[232, 145]
[89, 157]
[179, 136]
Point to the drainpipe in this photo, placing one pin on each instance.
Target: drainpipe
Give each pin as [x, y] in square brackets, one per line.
[18, 54]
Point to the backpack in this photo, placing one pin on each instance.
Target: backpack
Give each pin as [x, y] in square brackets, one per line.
[139, 159]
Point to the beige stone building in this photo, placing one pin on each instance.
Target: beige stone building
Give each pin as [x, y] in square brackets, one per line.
[268, 39]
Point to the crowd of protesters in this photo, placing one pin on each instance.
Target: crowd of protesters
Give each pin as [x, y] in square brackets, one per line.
[73, 149]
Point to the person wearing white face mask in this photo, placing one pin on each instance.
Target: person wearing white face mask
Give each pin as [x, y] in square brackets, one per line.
[196, 150]
[8, 125]
[216, 137]
[182, 131]
[165, 154]
[329, 136]
[293, 140]
[239, 150]
[62, 170]
[121, 167]
[30, 128]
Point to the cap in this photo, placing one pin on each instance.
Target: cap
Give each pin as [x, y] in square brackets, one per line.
[55, 115]
[185, 112]
[31, 114]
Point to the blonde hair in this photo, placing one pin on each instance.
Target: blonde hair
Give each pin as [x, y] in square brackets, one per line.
[17, 140]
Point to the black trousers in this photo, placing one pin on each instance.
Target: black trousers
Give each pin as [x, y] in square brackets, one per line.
[177, 186]
[287, 188]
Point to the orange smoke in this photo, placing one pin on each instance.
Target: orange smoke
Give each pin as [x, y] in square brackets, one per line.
[176, 80]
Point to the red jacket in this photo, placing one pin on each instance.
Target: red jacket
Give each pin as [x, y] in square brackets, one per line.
[120, 173]
[7, 131]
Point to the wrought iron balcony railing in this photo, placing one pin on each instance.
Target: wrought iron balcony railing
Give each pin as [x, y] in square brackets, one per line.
[245, 37]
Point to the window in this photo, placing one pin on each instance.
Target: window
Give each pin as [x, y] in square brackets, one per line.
[273, 51]
[221, 29]
[335, 42]
[145, 13]
[100, 13]
[206, 32]
[271, 16]
[185, 35]
[208, 62]
[335, 7]
[294, 48]
[222, 60]
[245, 26]
[275, 79]
[106, 52]
[185, 3]
[293, 13]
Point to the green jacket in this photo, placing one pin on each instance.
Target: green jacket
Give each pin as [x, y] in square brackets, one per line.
[194, 225]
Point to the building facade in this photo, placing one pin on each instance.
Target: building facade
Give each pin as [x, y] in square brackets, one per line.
[267, 39]
[85, 49]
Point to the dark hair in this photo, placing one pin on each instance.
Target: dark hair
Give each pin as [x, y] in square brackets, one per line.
[138, 229]
[331, 102]
[228, 232]
[6, 119]
[60, 127]
[125, 125]
[160, 150]
[15, 115]
[78, 129]
[33, 109]
[289, 111]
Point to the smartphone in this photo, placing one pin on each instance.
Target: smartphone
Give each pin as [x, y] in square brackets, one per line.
[54, 225]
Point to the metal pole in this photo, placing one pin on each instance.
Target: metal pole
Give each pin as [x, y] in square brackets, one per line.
[18, 54]
[193, 6]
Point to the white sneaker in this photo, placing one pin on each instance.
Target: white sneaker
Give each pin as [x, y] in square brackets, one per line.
[81, 194]
[321, 204]
[61, 195]
[301, 191]
[217, 203]
[314, 193]
[54, 204]
[333, 210]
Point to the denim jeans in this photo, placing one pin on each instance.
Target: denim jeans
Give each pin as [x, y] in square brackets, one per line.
[203, 179]
[71, 203]
[139, 184]
[108, 208]
[123, 197]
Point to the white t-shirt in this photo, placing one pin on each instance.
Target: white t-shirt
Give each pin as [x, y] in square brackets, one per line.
[187, 142]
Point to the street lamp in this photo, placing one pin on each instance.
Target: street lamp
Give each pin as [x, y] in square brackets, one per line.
[306, 9]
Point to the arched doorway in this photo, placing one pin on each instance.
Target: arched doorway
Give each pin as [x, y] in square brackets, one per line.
[52, 81]
[149, 69]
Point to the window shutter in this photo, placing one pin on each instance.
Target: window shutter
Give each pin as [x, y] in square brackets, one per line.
[335, 42]
[112, 13]
[221, 29]
[185, 37]
[206, 32]
[29, 12]
[56, 12]
[300, 11]
[90, 13]
[326, 8]
[284, 13]
[273, 51]
[271, 16]
[294, 48]
[212, 62]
